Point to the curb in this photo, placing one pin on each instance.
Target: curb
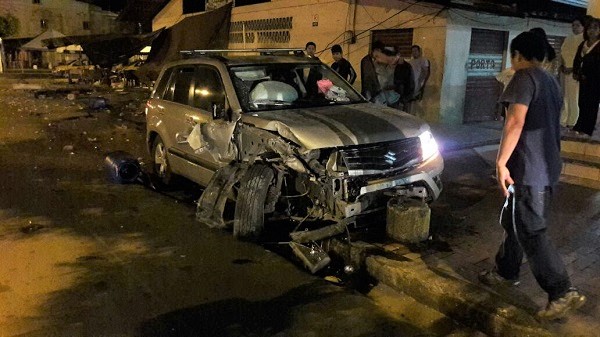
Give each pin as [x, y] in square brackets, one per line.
[461, 300]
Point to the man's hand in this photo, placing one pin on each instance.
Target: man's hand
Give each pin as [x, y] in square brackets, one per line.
[504, 179]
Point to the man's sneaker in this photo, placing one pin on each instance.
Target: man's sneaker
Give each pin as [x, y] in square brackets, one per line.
[492, 278]
[560, 307]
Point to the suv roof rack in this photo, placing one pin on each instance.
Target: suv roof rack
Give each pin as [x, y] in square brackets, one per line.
[259, 51]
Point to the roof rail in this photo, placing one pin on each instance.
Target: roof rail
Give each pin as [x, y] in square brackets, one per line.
[260, 51]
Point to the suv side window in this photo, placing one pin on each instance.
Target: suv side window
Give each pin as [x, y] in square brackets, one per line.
[208, 89]
[180, 85]
[159, 92]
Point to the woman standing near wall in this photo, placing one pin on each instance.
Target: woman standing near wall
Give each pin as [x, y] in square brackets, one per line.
[586, 69]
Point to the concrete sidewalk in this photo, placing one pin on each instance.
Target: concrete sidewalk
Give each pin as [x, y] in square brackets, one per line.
[466, 136]
[446, 279]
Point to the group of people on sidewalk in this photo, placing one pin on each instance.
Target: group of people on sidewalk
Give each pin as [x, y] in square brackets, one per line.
[386, 77]
[581, 76]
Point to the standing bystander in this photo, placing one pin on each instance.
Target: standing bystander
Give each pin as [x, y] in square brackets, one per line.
[312, 75]
[341, 65]
[570, 111]
[421, 71]
[370, 86]
[527, 168]
[310, 49]
[586, 69]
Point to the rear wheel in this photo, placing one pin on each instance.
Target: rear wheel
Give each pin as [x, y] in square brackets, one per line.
[250, 205]
[160, 164]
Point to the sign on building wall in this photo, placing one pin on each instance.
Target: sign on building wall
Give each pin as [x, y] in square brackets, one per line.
[484, 64]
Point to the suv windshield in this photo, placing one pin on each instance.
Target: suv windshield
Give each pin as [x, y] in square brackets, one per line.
[290, 85]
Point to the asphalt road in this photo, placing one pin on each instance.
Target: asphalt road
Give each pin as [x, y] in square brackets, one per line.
[82, 256]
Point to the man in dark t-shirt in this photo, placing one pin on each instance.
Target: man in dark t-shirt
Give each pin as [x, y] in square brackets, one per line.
[527, 169]
[341, 65]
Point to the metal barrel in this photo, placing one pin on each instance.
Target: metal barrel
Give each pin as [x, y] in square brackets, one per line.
[122, 167]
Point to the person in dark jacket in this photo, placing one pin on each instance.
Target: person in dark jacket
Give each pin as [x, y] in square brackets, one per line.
[586, 69]
[341, 65]
[396, 79]
[370, 86]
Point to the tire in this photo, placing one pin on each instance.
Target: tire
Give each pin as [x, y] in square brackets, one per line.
[249, 215]
[161, 170]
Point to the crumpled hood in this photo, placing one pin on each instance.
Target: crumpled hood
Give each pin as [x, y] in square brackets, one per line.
[336, 126]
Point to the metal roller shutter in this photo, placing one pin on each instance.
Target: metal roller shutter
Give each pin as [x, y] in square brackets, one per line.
[486, 56]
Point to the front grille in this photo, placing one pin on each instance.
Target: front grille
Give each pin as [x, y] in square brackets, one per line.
[382, 157]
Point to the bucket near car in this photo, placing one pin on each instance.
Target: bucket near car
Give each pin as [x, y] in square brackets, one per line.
[122, 167]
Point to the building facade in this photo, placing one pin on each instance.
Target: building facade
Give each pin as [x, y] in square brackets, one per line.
[70, 17]
[38, 18]
[466, 49]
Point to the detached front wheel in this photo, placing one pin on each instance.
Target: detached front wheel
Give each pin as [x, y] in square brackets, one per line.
[250, 205]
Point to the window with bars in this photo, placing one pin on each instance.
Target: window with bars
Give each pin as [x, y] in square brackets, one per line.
[264, 31]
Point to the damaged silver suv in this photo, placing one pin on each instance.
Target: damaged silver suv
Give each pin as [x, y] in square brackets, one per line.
[279, 132]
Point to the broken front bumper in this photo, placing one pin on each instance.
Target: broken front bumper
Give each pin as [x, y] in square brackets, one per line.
[422, 181]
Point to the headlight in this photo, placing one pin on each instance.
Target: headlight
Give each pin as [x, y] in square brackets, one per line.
[429, 147]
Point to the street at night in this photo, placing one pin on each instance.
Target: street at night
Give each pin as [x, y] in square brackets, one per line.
[275, 168]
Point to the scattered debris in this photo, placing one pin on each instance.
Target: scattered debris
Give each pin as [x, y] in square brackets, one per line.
[92, 211]
[122, 167]
[313, 256]
[333, 279]
[90, 258]
[32, 228]
[98, 103]
[68, 148]
[26, 86]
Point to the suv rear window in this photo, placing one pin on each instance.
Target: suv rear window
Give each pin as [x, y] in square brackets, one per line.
[181, 85]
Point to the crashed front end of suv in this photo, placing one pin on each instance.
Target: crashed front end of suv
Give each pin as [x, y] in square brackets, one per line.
[331, 156]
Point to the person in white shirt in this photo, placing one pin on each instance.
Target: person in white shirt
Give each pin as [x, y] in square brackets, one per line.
[570, 111]
[420, 67]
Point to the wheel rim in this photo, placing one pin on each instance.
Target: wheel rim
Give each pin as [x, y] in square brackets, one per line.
[160, 160]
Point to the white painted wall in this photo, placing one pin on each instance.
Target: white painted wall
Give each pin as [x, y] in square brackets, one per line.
[454, 82]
